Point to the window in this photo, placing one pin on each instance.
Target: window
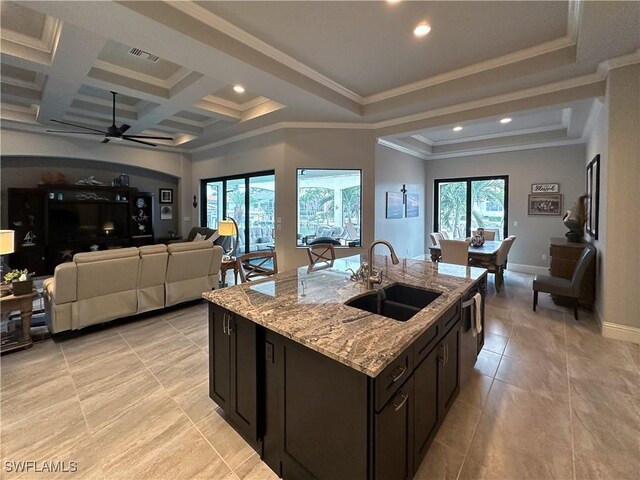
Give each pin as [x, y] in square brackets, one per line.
[464, 204]
[329, 205]
[250, 201]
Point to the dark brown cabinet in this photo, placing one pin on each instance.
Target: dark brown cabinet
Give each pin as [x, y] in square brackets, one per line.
[564, 255]
[393, 432]
[313, 417]
[232, 369]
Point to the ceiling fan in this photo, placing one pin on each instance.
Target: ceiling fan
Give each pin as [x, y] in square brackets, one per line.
[112, 131]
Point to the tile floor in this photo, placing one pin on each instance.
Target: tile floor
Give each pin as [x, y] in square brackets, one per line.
[549, 398]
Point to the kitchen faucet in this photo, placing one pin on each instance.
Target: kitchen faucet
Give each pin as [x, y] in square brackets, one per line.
[373, 277]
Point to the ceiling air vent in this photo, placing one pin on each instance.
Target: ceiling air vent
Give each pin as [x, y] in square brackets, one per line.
[149, 57]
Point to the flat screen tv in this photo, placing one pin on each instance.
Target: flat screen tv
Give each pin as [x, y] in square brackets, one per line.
[81, 222]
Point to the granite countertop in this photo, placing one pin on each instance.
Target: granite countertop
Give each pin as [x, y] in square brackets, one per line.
[308, 307]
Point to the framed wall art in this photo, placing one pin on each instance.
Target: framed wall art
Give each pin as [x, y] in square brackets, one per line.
[166, 195]
[548, 204]
[412, 207]
[394, 204]
[593, 197]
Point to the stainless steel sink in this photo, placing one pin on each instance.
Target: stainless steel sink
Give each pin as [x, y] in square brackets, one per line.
[396, 301]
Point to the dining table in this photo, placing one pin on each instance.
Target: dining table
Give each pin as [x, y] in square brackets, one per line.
[484, 253]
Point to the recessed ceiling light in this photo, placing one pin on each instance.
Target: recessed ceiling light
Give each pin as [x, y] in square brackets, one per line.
[457, 129]
[505, 120]
[421, 29]
[238, 88]
[393, 1]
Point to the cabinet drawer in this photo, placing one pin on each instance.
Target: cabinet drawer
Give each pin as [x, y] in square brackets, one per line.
[450, 317]
[425, 343]
[392, 377]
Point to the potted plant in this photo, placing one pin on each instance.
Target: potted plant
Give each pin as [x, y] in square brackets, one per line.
[20, 280]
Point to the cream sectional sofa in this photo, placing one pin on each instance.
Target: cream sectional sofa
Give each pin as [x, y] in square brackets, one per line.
[100, 286]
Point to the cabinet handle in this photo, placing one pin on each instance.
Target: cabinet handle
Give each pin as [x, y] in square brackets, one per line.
[224, 323]
[397, 376]
[229, 330]
[404, 397]
[446, 353]
[442, 356]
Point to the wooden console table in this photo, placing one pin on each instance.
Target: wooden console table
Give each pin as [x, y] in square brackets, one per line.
[564, 256]
[24, 303]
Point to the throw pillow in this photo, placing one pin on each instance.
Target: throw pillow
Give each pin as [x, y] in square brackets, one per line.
[214, 236]
[199, 237]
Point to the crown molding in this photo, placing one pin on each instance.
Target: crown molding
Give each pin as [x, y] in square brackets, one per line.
[506, 148]
[36, 85]
[574, 19]
[502, 98]
[474, 69]
[423, 139]
[618, 62]
[489, 136]
[169, 83]
[45, 44]
[400, 148]
[214, 21]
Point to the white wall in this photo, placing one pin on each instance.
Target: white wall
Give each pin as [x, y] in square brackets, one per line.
[394, 169]
[284, 151]
[563, 165]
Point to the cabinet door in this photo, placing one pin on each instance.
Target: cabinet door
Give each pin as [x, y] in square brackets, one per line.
[425, 403]
[244, 407]
[219, 357]
[393, 425]
[449, 369]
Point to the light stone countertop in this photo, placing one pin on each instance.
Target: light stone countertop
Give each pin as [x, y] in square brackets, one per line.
[308, 307]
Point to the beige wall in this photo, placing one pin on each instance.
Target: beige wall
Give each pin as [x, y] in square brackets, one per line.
[284, 151]
[622, 266]
[597, 144]
[563, 165]
[394, 169]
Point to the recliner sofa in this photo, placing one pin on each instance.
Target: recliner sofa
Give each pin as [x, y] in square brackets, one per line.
[100, 286]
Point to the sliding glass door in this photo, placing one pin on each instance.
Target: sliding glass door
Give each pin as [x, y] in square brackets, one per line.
[249, 200]
[465, 204]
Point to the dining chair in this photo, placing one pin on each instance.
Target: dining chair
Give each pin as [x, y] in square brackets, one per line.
[435, 237]
[497, 267]
[321, 255]
[444, 234]
[488, 234]
[455, 251]
[563, 287]
[257, 265]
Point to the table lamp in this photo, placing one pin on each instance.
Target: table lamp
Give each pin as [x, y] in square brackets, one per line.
[6, 247]
[229, 228]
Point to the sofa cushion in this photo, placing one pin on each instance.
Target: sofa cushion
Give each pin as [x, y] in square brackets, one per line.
[187, 246]
[88, 257]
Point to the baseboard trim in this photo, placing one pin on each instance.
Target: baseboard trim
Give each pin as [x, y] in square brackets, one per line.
[531, 269]
[621, 332]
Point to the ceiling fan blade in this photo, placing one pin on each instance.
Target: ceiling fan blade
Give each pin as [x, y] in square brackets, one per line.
[106, 140]
[145, 136]
[77, 133]
[78, 126]
[123, 128]
[138, 141]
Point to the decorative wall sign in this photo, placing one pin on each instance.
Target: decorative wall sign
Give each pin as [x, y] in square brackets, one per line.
[394, 205]
[166, 195]
[549, 204]
[545, 188]
[413, 205]
[593, 196]
[166, 213]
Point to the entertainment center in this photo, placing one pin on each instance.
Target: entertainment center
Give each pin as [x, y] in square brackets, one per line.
[53, 222]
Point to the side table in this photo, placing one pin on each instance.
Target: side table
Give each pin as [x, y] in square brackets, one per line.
[226, 265]
[24, 303]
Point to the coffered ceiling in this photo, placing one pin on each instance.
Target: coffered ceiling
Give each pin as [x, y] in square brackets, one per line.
[319, 64]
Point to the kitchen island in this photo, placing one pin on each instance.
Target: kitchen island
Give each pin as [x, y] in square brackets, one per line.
[326, 390]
